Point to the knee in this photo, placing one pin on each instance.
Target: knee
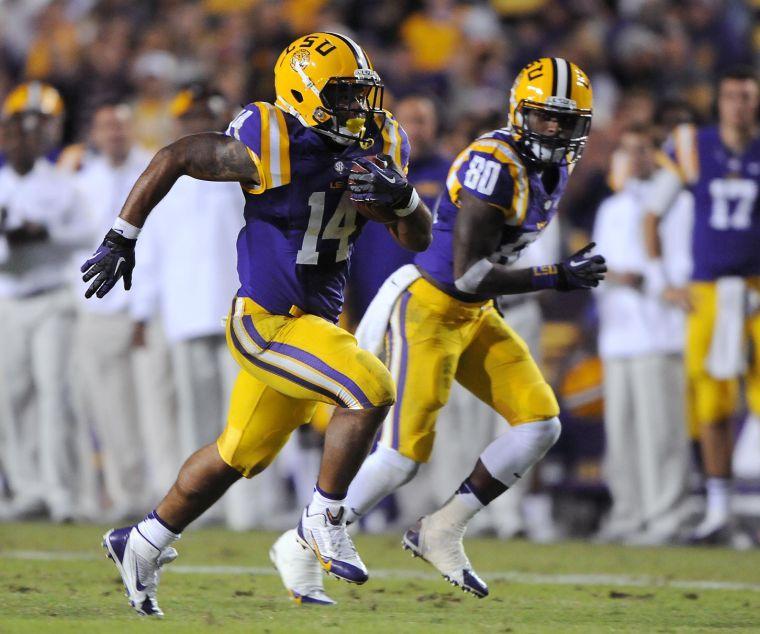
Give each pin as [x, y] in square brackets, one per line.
[538, 403]
[378, 385]
[405, 468]
[541, 434]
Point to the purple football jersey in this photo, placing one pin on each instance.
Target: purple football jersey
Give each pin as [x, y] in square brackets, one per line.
[491, 169]
[726, 234]
[377, 254]
[300, 226]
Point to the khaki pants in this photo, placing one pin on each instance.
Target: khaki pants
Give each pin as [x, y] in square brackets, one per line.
[106, 399]
[647, 457]
[37, 438]
[157, 413]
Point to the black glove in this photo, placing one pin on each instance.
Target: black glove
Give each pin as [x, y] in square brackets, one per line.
[381, 184]
[114, 258]
[581, 271]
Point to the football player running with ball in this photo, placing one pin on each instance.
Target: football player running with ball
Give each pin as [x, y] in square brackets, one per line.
[440, 324]
[293, 160]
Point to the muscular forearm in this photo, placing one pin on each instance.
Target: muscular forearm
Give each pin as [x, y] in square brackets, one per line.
[413, 232]
[501, 280]
[152, 185]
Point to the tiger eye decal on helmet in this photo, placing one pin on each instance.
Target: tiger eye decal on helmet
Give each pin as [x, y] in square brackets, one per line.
[327, 82]
[550, 109]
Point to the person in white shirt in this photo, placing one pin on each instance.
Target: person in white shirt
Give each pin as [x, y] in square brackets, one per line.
[104, 383]
[189, 276]
[41, 225]
[641, 339]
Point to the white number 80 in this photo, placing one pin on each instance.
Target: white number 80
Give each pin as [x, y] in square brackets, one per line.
[482, 175]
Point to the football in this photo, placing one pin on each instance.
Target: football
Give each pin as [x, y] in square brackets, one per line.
[376, 213]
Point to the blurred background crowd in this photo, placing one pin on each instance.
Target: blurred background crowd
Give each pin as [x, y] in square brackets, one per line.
[102, 400]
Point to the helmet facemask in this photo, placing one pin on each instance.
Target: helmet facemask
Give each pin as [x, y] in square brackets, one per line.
[348, 104]
[551, 134]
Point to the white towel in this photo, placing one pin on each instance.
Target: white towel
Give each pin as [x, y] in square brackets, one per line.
[727, 358]
[371, 331]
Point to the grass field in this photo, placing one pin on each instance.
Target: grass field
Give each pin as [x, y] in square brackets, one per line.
[55, 579]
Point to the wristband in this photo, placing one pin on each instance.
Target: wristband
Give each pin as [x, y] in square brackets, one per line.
[472, 277]
[414, 200]
[122, 227]
[542, 277]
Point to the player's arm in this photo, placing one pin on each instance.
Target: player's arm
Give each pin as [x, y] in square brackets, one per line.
[207, 156]
[382, 183]
[477, 235]
[414, 232]
[666, 185]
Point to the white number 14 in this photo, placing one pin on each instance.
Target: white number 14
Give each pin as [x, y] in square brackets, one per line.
[340, 227]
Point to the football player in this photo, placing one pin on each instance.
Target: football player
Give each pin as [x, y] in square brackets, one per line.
[720, 165]
[502, 191]
[42, 98]
[292, 159]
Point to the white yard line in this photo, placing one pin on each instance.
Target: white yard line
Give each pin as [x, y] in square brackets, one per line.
[380, 573]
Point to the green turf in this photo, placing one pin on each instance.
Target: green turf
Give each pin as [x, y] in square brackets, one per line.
[84, 594]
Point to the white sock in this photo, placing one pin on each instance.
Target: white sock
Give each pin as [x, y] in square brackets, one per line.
[514, 452]
[322, 503]
[460, 509]
[155, 532]
[718, 499]
[384, 471]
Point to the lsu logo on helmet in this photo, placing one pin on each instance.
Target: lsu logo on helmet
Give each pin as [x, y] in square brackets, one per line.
[327, 82]
[550, 108]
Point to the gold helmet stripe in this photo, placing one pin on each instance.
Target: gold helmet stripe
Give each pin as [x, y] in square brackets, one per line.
[361, 58]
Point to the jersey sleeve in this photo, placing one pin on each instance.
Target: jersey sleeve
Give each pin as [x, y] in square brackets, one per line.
[262, 128]
[680, 153]
[395, 142]
[492, 171]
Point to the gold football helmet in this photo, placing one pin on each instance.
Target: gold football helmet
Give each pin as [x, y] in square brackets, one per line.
[327, 82]
[550, 109]
[33, 96]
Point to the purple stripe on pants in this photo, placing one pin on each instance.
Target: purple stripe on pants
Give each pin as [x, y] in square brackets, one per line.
[309, 359]
[284, 373]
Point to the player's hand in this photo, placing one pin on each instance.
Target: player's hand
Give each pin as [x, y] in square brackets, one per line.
[114, 258]
[381, 183]
[581, 270]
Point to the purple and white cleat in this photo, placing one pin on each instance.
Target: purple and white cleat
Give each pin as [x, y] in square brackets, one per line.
[300, 572]
[441, 546]
[328, 539]
[139, 564]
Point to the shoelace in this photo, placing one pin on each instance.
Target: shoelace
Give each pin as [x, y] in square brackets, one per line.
[340, 543]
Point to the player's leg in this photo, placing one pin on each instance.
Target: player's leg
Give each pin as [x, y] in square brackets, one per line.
[422, 352]
[422, 349]
[309, 358]
[714, 402]
[497, 367]
[259, 423]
